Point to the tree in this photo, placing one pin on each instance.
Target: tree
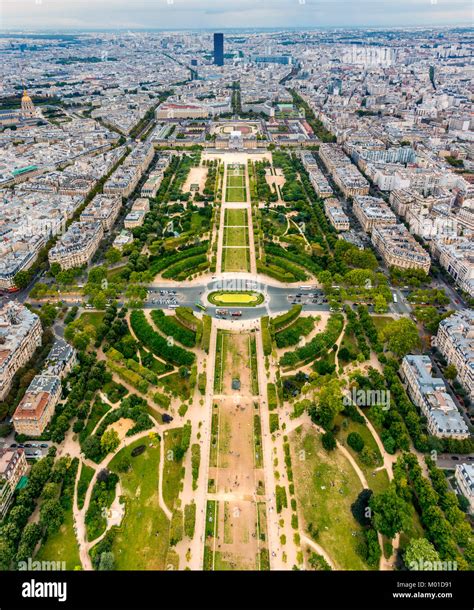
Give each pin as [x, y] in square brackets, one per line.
[451, 372]
[330, 404]
[391, 513]
[360, 507]
[328, 441]
[113, 256]
[420, 554]
[109, 441]
[22, 279]
[51, 516]
[107, 561]
[6, 554]
[401, 336]
[380, 304]
[54, 269]
[355, 441]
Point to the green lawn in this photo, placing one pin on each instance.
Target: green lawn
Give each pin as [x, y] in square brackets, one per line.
[236, 259]
[236, 236]
[236, 217]
[142, 539]
[173, 470]
[326, 485]
[381, 321]
[84, 480]
[378, 481]
[92, 318]
[236, 194]
[236, 180]
[62, 546]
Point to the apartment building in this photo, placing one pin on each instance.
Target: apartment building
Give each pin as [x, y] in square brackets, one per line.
[61, 359]
[456, 255]
[37, 406]
[78, 245]
[430, 395]
[399, 248]
[123, 181]
[103, 209]
[336, 215]
[464, 475]
[345, 174]
[135, 218]
[455, 340]
[13, 467]
[20, 335]
[372, 211]
[151, 186]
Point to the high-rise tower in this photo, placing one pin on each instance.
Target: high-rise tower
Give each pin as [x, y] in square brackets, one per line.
[219, 49]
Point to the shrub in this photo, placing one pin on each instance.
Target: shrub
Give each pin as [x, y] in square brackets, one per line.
[355, 441]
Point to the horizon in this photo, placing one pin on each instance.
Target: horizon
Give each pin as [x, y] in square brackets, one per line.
[185, 15]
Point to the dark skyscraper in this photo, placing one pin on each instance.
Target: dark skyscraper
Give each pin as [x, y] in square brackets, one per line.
[219, 49]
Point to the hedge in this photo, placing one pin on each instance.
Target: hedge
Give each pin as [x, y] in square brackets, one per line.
[272, 396]
[189, 519]
[172, 328]
[206, 332]
[162, 400]
[186, 267]
[186, 316]
[158, 263]
[320, 343]
[274, 422]
[286, 318]
[266, 336]
[157, 343]
[128, 376]
[292, 334]
[195, 463]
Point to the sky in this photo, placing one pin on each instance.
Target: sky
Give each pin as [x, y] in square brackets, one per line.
[220, 14]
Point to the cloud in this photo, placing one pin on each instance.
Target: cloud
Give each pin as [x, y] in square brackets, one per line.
[184, 14]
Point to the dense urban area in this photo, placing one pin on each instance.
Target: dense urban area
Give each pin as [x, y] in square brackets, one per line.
[236, 290]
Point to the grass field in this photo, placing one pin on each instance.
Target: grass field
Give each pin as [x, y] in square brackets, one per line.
[235, 217]
[326, 485]
[378, 481]
[143, 537]
[236, 259]
[173, 470]
[236, 236]
[244, 299]
[235, 185]
[62, 546]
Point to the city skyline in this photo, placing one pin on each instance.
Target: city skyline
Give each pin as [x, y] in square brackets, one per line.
[185, 14]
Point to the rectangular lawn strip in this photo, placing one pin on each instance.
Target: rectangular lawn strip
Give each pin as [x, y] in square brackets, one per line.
[236, 194]
[142, 539]
[236, 259]
[326, 486]
[257, 440]
[173, 471]
[236, 236]
[236, 217]
[254, 364]
[62, 545]
[221, 346]
[84, 480]
[214, 437]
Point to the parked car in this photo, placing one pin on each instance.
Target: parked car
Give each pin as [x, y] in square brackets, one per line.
[44, 446]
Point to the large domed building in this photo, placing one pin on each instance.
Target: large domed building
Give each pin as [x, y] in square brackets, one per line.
[28, 110]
